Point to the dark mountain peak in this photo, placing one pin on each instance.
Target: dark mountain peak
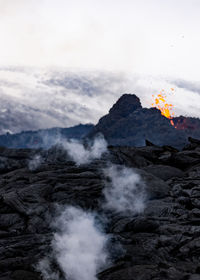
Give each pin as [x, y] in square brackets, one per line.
[127, 123]
[125, 105]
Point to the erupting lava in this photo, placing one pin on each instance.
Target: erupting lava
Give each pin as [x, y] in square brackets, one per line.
[161, 104]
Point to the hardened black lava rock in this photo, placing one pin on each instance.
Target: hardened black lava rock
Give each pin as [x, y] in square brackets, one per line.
[161, 243]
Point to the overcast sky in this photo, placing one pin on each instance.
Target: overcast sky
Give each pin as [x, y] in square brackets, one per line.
[86, 53]
[158, 37]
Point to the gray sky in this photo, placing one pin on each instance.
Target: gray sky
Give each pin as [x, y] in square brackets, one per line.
[157, 37]
[64, 62]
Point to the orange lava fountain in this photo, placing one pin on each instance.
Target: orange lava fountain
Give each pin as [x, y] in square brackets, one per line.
[161, 104]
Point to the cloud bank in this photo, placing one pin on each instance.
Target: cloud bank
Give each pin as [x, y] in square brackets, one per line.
[33, 98]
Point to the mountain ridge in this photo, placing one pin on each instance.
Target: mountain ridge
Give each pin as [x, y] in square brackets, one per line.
[43, 138]
[128, 123]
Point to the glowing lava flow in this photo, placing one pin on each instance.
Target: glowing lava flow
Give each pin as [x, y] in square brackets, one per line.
[161, 104]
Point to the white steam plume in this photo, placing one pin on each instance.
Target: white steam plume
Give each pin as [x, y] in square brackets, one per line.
[78, 152]
[34, 163]
[44, 267]
[82, 155]
[79, 246]
[125, 193]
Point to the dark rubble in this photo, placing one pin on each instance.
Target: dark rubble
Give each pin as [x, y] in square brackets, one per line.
[162, 243]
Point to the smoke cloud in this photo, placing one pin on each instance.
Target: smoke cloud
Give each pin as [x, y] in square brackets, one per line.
[125, 191]
[44, 267]
[79, 245]
[80, 154]
[81, 97]
[35, 162]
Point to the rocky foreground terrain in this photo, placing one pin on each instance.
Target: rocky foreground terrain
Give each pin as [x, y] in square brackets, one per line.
[161, 242]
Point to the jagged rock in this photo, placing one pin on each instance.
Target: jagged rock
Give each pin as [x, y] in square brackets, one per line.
[186, 159]
[160, 243]
[164, 172]
[142, 225]
[25, 275]
[193, 140]
[149, 143]
[156, 188]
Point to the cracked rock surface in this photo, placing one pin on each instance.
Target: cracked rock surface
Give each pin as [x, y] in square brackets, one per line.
[163, 242]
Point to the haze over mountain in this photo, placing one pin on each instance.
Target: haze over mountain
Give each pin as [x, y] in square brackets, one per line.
[35, 98]
[70, 70]
[126, 124]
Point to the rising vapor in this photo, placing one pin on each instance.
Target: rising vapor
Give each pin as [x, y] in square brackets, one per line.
[35, 162]
[79, 246]
[125, 191]
[44, 267]
[80, 154]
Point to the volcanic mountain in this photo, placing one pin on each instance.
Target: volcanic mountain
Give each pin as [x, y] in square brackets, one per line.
[140, 205]
[128, 123]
